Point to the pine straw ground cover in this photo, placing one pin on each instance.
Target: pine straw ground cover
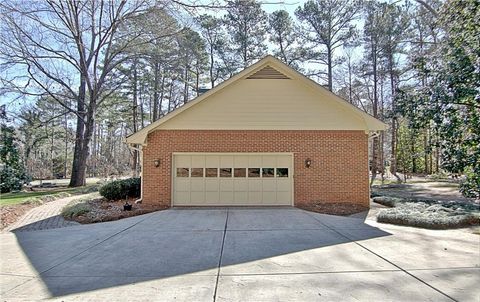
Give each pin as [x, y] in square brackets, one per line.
[334, 208]
[430, 214]
[100, 210]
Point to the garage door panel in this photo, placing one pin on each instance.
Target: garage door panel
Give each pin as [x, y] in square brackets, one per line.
[284, 161]
[240, 161]
[240, 197]
[197, 197]
[254, 161]
[255, 185]
[284, 185]
[284, 197]
[226, 161]
[269, 185]
[182, 185]
[197, 184]
[198, 161]
[226, 184]
[269, 161]
[182, 161]
[211, 185]
[212, 197]
[226, 197]
[182, 198]
[209, 179]
[254, 197]
[240, 185]
[269, 197]
[211, 161]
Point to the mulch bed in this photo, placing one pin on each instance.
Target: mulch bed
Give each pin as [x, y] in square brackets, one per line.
[10, 214]
[334, 208]
[102, 210]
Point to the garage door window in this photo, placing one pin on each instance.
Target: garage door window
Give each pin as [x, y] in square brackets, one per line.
[268, 172]
[225, 172]
[253, 172]
[211, 172]
[197, 172]
[182, 172]
[282, 172]
[240, 172]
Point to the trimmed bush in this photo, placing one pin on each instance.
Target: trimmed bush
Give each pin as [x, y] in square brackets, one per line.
[75, 209]
[428, 216]
[63, 195]
[120, 189]
[87, 189]
[387, 200]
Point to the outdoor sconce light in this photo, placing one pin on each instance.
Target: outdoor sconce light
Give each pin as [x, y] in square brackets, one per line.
[308, 163]
[156, 163]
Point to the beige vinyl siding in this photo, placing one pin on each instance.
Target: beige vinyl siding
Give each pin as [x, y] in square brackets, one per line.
[267, 104]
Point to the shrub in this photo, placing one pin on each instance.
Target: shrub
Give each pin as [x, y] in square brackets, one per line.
[120, 189]
[75, 209]
[12, 179]
[387, 200]
[431, 214]
[470, 187]
[63, 195]
[33, 200]
[87, 189]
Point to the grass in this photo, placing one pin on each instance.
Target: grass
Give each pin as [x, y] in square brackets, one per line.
[21, 197]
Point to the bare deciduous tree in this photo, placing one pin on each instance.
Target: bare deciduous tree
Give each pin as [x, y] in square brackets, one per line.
[66, 50]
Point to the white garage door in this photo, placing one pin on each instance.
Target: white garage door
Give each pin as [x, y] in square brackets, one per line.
[232, 179]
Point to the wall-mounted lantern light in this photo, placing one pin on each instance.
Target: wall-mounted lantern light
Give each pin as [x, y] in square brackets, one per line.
[156, 163]
[308, 163]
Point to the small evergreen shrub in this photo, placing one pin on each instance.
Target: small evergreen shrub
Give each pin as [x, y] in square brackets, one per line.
[120, 189]
[87, 189]
[75, 209]
[387, 200]
[470, 187]
[63, 195]
[428, 216]
[431, 214]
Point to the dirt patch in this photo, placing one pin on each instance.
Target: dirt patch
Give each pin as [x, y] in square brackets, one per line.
[436, 190]
[334, 208]
[101, 210]
[10, 214]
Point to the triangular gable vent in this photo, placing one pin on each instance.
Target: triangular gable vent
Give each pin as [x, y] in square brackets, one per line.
[268, 73]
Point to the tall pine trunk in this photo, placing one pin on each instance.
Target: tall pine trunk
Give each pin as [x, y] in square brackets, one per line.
[329, 68]
[155, 90]
[134, 111]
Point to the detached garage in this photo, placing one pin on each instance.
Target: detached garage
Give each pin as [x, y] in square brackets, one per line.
[266, 137]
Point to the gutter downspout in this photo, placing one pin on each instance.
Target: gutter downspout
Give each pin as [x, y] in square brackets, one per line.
[140, 151]
[371, 136]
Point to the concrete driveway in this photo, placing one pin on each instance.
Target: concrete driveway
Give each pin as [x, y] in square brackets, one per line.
[238, 254]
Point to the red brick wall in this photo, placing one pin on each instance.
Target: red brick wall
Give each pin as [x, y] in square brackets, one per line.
[339, 171]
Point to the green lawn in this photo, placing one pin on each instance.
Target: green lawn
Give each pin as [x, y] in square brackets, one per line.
[19, 197]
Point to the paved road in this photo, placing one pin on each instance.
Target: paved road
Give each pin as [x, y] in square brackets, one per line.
[238, 254]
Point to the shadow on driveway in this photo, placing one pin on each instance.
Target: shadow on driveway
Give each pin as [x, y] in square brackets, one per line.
[193, 241]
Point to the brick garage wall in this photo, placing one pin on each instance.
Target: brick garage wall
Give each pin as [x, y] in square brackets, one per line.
[339, 171]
